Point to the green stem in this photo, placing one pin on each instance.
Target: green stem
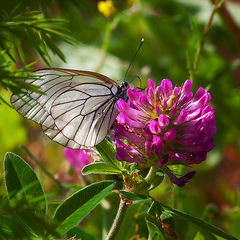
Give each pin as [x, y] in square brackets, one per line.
[42, 167]
[206, 29]
[175, 196]
[110, 27]
[118, 220]
[151, 174]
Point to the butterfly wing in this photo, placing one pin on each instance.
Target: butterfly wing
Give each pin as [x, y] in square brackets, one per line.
[77, 109]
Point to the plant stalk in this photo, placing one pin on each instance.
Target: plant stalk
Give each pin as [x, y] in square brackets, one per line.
[42, 167]
[206, 29]
[118, 220]
[110, 27]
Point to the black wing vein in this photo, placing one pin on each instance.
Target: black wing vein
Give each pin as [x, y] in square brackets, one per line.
[71, 112]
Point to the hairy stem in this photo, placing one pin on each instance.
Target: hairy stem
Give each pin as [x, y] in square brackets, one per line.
[205, 32]
[118, 220]
[110, 27]
[23, 148]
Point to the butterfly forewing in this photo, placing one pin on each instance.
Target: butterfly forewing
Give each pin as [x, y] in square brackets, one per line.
[77, 109]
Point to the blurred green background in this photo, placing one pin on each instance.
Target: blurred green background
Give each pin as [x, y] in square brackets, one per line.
[103, 37]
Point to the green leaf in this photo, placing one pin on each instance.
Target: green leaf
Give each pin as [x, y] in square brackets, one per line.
[199, 236]
[208, 235]
[99, 168]
[154, 233]
[201, 224]
[134, 196]
[168, 223]
[155, 209]
[20, 51]
[80, 233]
[128, 226]
[80, 204]
[165, 215]
[20, 178]
[159, 225]
[219, 4]
[51, 44]
[203, 235]
[185, 230]
[107, 153]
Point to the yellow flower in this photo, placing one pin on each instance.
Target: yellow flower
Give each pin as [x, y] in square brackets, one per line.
[106, 8]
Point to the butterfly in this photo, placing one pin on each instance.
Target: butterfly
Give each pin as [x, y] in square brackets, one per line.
[77, 108]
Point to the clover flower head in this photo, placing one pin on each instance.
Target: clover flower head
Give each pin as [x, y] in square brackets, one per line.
[77, 159]
[165, 126]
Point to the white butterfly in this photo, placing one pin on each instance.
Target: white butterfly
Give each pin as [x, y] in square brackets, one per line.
[77, 109]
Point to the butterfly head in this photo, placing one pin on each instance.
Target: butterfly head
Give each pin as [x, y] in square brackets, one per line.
[122, 91]
[124, 86]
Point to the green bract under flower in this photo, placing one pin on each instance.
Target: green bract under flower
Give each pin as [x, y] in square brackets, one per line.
[165, 125]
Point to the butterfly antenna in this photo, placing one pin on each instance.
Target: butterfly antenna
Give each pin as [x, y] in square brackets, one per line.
[133, 59]
[140, 80]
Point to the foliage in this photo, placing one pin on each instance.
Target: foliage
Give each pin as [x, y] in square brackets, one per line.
[48, 203]
[22, 31]
[27, 203]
